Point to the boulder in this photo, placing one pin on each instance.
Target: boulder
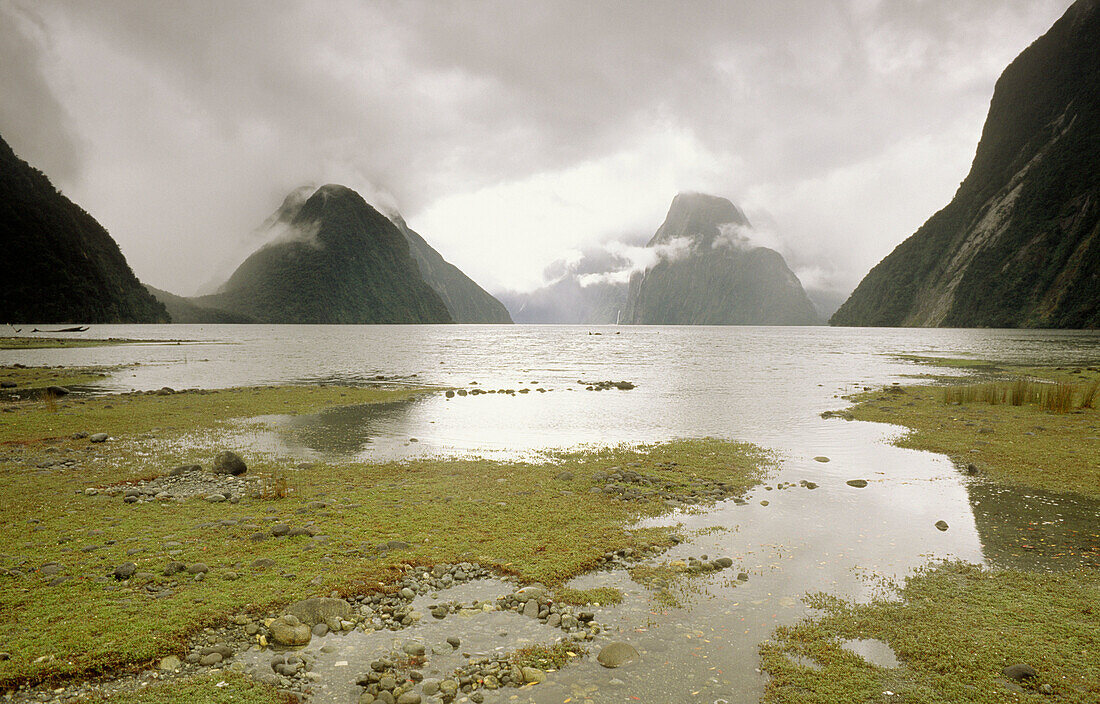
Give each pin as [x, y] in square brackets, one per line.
[288, 630]
[227, 462]
[1019, 671]
[617, 654]
[319, 609]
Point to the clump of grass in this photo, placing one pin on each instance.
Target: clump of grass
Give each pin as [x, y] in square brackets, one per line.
[221, 688]
[605, 596]
[275, 485]
[548, 657]
[1056, 397]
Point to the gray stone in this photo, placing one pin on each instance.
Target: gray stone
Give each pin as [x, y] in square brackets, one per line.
[98, 437]
[410, 697]
[174, 567]
[724, 562]
[125, 570]
[1019, 671]
[184, 469]
[280, 529]
[320, 630]
[429, 686]
[169, 663]
[448, 688]
[942, 525]
[215, 498]
[413, 648]
[288, 630]
[262, 563]
[210, 659]
[319, 609]
[617, 654]
[227, 462]
[857, 483]
[533, 675]
[57, 391]
[531, 608]
[197, 568]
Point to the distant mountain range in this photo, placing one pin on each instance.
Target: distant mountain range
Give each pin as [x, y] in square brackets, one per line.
[60, 264]
[332, 258]
[1019, 245]
[703, 270]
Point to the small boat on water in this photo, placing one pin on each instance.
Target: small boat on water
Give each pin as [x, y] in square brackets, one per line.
[79, 328]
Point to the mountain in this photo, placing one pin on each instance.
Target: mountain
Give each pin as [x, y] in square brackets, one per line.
[332, 258]
[567, 302]
[60, 264]
[1019, 245]
[182, 310]
[466, 301]
[709, 273]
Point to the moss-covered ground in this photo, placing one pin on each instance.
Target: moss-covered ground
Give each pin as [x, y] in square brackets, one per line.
[23, 379]
[518, 518]
[1024, 445]
[954, 629]
[42, 343]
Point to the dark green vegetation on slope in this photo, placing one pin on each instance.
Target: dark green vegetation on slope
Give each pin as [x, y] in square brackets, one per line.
[183, 310]
[1019, 245]
[465, 300]
[514, 518]
[713, 275]
[60, 265]
[335, 260]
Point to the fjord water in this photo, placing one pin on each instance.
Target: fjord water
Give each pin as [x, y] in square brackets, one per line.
[762, 385]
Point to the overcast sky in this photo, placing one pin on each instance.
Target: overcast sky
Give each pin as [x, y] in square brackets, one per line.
[510, 134]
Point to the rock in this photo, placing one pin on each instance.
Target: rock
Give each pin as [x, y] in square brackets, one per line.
[125, 570]
[210, 659]
[227, 462]
[169, 663]
[617, 654]
[565, 476]
[280, 529]
[454, 642]
[413, 649]
[971, 468]
[98, 437]
[215, 498]
[429, 686]
[533, 675]
[262, 563]
[319, 609]
[174, 567]
[1019, 671]
[531, 608]
[821, 458]
[288, 630]
[58, 391]
[448, 688]
[857, 483]
[942, 525]
[724, 562]
[184, 469]
[320, 630]
[197, 568]
[410, 697]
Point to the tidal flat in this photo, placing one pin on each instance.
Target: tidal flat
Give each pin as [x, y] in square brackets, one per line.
[102, 576]
[963, 632]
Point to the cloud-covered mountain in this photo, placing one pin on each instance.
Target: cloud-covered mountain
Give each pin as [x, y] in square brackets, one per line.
[1019, 245]
[710, 272]
[330, 258]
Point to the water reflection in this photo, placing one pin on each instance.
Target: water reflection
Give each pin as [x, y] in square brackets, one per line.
[1033, 529]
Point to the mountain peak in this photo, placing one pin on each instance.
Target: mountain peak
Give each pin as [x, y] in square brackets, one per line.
[698, 216]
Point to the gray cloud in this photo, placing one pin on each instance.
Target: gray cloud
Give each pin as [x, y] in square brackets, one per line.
[847, 123]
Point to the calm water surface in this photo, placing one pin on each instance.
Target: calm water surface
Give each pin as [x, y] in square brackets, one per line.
[763, 385]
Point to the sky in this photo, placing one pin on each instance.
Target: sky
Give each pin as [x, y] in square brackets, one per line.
[512, 135]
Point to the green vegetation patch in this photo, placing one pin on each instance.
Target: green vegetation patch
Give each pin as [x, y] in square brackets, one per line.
[42, 343]
[127, 414]
[604, 596]
[64, 615]
[37, 378]
[548, 657]
[221, 688]
[1024, 444]
[954, 629]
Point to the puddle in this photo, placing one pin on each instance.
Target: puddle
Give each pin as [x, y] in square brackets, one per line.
[873, 651]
